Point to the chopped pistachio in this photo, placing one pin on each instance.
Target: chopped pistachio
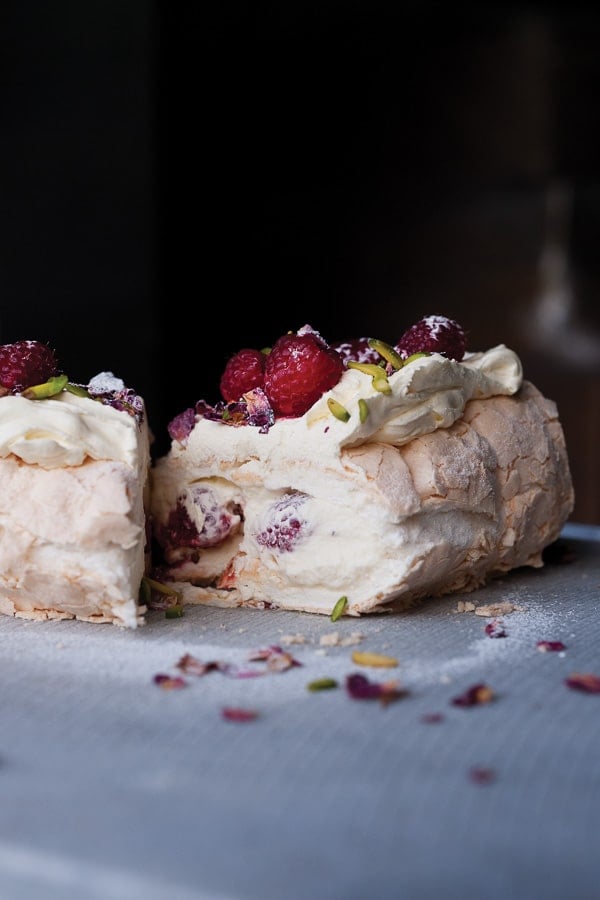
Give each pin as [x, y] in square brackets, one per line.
[174, 612]
[76, 389]
[145, 593]
[364, 658]
[162, 588]
[363, 410]
[377, 373]
[322, 684]
[381, 384]
[49, 388]
[388, 352]
[413, 356]
[339, 609]
[339, 411]
[368, 368]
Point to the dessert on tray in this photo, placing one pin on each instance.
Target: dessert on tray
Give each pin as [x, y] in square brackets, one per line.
[74, 483]
[361, 476]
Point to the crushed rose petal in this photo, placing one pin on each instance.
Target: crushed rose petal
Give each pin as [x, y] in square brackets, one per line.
[495, 629]
[432, 718]
[170, 682]
[238, 714]
[550, 646]
[482, 774]
[476, 695]
[192, 666]
[361, 688]
[277, 660]
[584, 681]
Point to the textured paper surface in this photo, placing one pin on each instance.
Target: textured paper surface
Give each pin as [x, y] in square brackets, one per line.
[113, 787]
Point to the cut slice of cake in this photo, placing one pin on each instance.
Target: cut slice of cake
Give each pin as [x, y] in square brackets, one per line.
[382, 474]
[74, 491]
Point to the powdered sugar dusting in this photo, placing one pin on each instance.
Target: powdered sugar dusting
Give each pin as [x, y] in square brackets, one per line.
[104, 383]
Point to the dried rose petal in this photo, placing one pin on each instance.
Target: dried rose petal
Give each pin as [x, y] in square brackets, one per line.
[482, 774]
[169, 682]
[360, 688]
[277, 660]
[584, 681]
[182, 425]
[495, 629]
[192, 666]
[550, 646]
[432, 718]
[238, 714]
[474, 696]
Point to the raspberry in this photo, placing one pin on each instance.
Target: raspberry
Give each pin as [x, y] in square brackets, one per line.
[180, 531]
[298, 370]
[24, 364]
[357, 350]
[434, 334]
[283, 526]
[244, 372]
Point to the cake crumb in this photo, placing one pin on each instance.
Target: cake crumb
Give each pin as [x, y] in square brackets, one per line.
[465, 606]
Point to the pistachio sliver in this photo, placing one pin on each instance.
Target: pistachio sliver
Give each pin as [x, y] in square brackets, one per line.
[413, 356]
[49, 388]
[363, 410]
[368, 368]
[379, 378]
[387, 351]
[339, 609]
[379, 660]
[174, 612]
[339, 411]
[381, 384]
[78, 389]
[160, 587]
[322, 684]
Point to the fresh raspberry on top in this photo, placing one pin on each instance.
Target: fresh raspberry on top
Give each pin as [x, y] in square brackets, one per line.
[244, 372]
[357, 350]
[24, 364]
[298, 371]
[434, 334]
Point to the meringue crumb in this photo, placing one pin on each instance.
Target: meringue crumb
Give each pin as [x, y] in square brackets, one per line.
[293, 638]
[497, 609]
[334, 639]
[465, 606]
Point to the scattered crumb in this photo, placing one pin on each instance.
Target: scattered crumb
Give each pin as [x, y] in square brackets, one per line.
[494, 610]
[465, 606]
[293, 639]
[334, 639]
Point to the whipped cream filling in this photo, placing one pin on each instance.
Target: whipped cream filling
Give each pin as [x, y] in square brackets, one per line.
[65, 430]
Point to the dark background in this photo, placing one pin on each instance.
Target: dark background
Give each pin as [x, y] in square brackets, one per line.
[179, 183]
